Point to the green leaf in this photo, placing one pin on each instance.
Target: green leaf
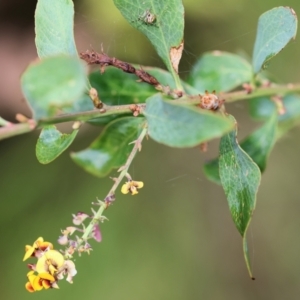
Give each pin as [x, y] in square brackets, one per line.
[276, 28]
[220, 71]
[181, 126]
[257, 145]
[240, 178]
[166, 30]
[116, 87]
[83, 103]
[52, 84]
[52, 143]
[111, 149]
[54, 28]
[211, 171]
[261, 108]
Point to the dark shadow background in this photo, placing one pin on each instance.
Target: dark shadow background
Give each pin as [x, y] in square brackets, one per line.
[175, 239]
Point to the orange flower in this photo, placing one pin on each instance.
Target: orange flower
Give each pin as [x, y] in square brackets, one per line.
[39, 282]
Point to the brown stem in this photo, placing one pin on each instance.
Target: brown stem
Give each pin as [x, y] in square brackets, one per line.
[103, 60]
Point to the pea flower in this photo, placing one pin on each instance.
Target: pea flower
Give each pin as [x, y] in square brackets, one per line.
[64, 239]
[79, 218]
[38, 282]
[37, 249]
[51, 266]
[50, 262]
[68, 268]
[132, 187]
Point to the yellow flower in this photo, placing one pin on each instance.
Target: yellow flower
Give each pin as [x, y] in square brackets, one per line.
[50, 262]
[37, 249]
[131, 186]
[51, 266]
[39, 282]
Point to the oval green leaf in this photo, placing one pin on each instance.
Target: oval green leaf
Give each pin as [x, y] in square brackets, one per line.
[162, 22]
[111, 149]
[211, 171]
[258, 146]
[261, 108]
[181, 126]
[54, 22]
[116, 87]
[276, 28]
[220, 71]
[240, 178]
[52, 84]
[52, 143]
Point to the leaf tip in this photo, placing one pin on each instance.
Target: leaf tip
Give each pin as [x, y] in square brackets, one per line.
[292, 11]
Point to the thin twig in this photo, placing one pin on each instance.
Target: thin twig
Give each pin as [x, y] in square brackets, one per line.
[88, 230]
[90, 114]
[273, 89]
[16, 129]
[3, 122]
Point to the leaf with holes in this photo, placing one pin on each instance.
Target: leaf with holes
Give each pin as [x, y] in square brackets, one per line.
[52, 143]
[111, 149]
[240, 178]
[276, 28]
[181, 126]
[54, 22]
[162, 22]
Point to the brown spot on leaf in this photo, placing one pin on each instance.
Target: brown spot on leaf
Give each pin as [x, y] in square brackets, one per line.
[175, 56]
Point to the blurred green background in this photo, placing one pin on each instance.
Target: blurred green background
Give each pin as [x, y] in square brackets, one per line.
[175, 239]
